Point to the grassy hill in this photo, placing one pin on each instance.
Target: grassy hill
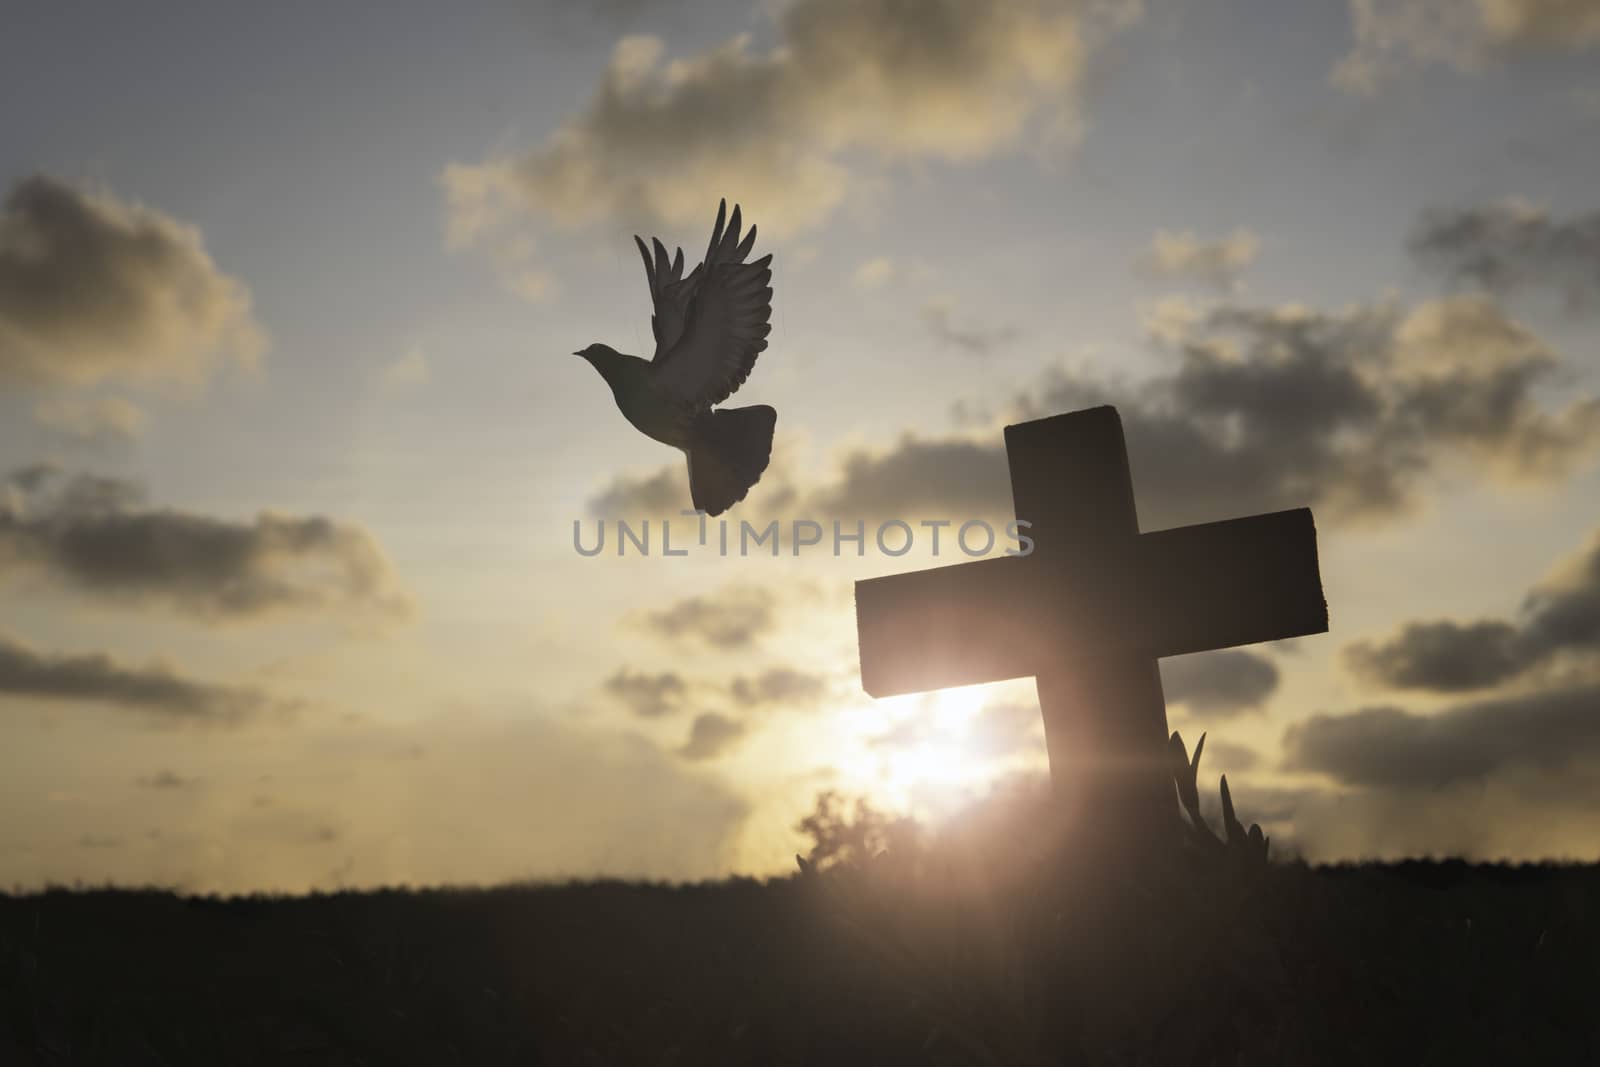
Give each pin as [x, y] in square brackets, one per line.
[875, 963]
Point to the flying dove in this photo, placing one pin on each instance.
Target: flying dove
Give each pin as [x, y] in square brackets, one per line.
[709, 328]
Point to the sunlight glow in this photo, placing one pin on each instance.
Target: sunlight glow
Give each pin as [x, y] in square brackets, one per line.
[917, 752]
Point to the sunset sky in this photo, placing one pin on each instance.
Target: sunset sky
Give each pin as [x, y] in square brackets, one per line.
[292, 442]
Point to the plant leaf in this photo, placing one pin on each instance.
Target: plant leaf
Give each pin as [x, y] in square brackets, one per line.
[1230, 821]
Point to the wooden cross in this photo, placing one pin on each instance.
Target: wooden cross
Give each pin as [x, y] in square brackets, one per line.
[1089, 612]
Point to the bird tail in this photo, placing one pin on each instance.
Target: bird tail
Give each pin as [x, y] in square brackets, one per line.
[731, 451]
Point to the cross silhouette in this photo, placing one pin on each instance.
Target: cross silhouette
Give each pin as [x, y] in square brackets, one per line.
[1089, 612]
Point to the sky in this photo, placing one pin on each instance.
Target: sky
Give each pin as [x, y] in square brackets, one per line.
[292, 445]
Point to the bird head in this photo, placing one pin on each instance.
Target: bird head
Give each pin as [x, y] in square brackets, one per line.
[595, 352]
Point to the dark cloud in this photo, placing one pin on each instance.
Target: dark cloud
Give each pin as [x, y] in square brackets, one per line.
[93, 288]
[710, 736]
[1273, 408]
[732, 619]
[1351, 412]
[1561, 615]
[1445, 656]
[1392, 747]
[95, 535]
[1221, 683]
[29, 478]
[780, 686]
[649, 696]
[916, 478]
[973, 340]
[1510, 246]
[156, 689]
[166, 780]
[1230, 758]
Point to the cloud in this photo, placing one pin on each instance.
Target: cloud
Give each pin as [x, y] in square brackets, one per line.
[1217, 262]
[155, 689]
[973, 340]
[1519, 814]
[1511, 246]
[874, 272]
[1560, 615]
[732, 619]
[1222, 683]
[710, 736]
[1348, 411]
[848, 89]
[1560, 24]
[914, 478]
[166, 780]
[95, 536]
[1352, 412]
[1392, 747]
[1443, 656]
[410, 371]
[780, 686]
[664, 492]
[91, 420]
[1230, 758]
[96, 289]
[649, 696]
[1466, 36]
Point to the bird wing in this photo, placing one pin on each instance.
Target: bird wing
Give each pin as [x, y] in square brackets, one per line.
[710, 326]
[670, 292]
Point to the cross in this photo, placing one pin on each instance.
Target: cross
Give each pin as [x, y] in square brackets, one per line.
[1089, 612]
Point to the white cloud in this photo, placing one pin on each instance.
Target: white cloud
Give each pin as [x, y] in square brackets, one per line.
[850, 88]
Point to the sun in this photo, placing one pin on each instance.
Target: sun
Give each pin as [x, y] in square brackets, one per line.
[931, 759]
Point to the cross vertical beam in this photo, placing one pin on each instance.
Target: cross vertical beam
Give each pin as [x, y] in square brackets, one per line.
[1105, 715]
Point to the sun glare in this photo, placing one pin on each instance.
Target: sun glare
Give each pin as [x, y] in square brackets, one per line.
[920, 756]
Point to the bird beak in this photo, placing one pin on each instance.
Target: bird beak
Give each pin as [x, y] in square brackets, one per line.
[578, 353]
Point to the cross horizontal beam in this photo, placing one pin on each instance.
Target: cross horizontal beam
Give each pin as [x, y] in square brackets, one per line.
[1171, 592]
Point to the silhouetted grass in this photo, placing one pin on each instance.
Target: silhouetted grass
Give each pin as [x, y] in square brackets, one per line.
[1416, 963]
